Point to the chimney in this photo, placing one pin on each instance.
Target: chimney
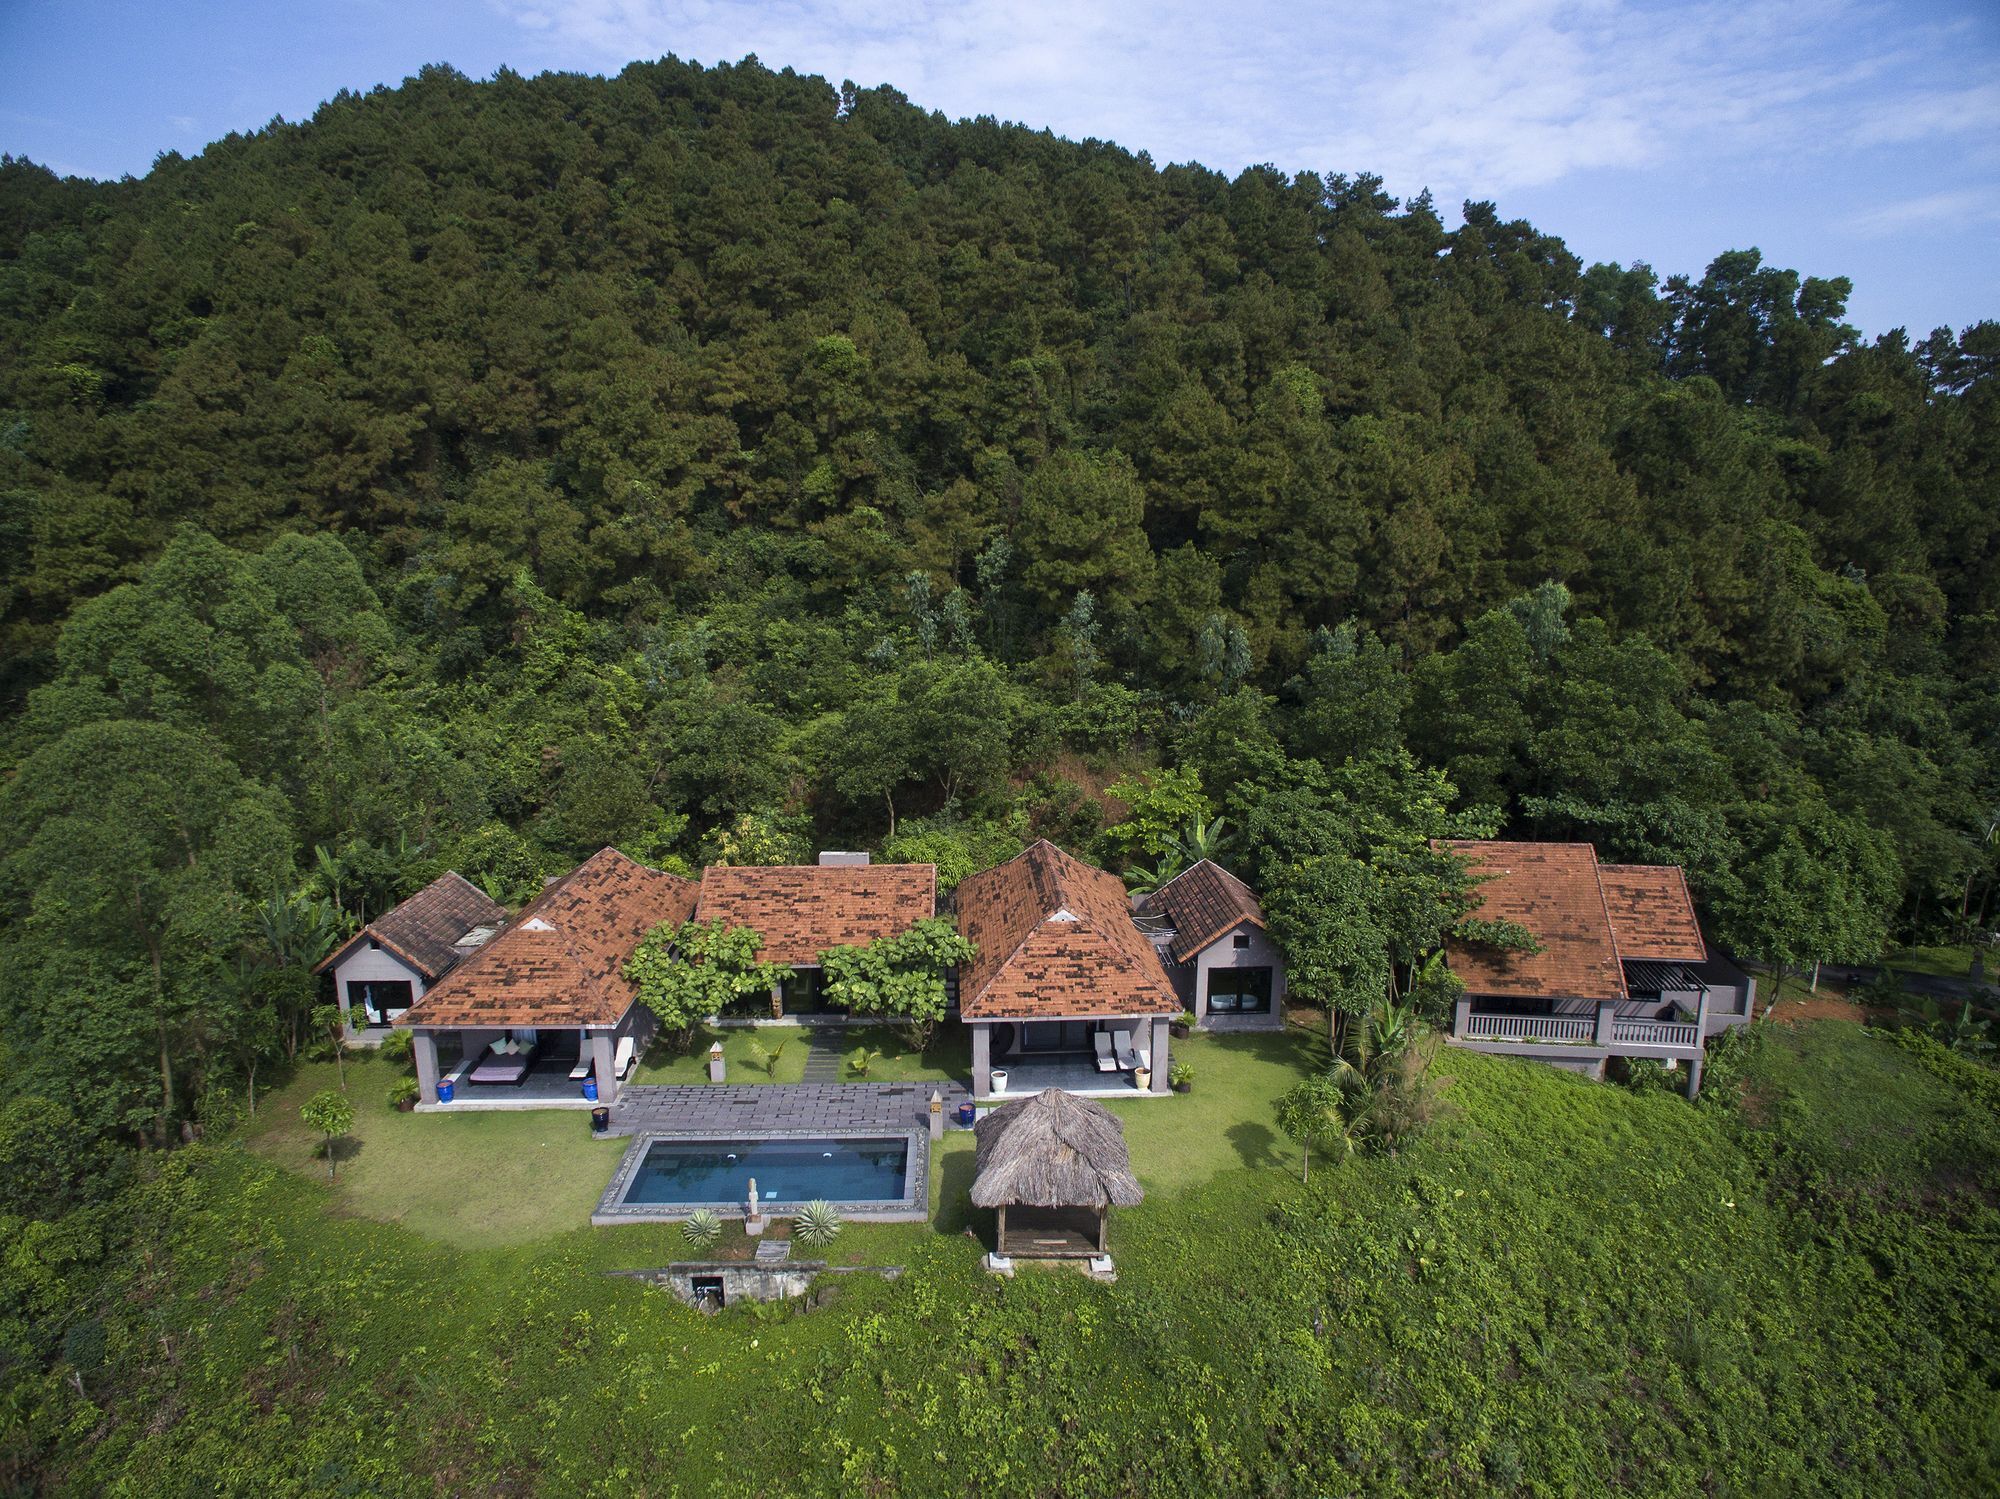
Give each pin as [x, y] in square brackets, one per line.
[832, 857]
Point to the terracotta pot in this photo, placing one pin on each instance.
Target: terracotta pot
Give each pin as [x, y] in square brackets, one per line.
[1178, 1030]
[407, 1106]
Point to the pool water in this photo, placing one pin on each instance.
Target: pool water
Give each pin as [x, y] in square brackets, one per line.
[787, 1171]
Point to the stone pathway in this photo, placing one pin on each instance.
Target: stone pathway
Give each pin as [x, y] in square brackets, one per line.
[658, 1108]
[823, 1054]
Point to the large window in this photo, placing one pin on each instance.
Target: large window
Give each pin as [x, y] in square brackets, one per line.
[1239, 991]
[1055, 1036]
[376, 1001]
[805, 991]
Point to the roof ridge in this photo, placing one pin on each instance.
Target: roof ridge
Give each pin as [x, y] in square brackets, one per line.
[1610, 926]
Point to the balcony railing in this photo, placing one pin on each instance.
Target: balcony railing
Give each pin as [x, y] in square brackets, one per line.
[1530, 1028]
[1655, 1033]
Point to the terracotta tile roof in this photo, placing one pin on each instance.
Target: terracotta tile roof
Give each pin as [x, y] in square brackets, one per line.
[1203, 901]
[561, 961]
[800, 910]
[1551, 889]
[1652, 914]
[1055, 937]
[424, 930]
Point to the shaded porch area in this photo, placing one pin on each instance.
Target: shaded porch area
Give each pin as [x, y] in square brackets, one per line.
[519, 1068]
[1073, 1074]
[1065, 1233]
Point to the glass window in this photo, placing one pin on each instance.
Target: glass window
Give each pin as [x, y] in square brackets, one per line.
[376, 1001]
[1242, 941]
[1239, 991]
[805, 991]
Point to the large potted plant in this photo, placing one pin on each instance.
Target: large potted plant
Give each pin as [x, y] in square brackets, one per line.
[1181, 1024]
[1181, 1075]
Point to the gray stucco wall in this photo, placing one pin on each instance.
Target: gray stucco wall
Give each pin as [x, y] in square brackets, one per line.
[1224, 953]
[370, 964]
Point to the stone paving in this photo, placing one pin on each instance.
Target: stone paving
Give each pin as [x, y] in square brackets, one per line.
[661, 1108]
[823, 1055]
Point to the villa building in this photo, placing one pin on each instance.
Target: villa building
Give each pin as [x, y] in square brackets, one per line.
[1623, 969]
[1209, 928]
[1064, 990]
[385, 967]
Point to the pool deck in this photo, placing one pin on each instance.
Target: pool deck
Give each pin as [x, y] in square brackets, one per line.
[814, 1108]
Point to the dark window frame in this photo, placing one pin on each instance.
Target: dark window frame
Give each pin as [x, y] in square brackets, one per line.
[1244, 991]
[361, 1000]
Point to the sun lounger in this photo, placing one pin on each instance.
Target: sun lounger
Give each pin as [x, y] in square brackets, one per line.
[627, 1053]
[582, 1068]
[1121, 1043]
[1105, 1061]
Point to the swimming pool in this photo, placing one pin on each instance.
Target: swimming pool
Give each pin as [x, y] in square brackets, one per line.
[865, 1176]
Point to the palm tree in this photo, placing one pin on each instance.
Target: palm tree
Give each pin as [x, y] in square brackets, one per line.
[1142, 879]
[1202, 838]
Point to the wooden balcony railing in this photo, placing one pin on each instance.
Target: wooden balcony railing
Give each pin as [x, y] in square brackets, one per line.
[1530, 1028]
[1655, 1033]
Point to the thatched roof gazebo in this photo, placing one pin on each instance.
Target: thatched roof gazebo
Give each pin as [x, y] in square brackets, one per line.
[1053, 1166]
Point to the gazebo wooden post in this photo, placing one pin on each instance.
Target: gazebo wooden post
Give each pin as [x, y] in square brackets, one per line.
[1000, 1237]
[1103, 1229]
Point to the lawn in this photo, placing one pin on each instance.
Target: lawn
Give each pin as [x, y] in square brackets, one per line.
[1949, 962]
[474, 1180]
[949, 1055]
[499, 1178]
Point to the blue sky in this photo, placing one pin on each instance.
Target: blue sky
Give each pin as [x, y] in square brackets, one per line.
[1842, 137]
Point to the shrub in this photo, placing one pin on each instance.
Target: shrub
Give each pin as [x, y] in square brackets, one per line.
[403, 1090]
[862, 1059]
[701, 1228]
[1180, 1073]
[398, 1045]
[817, 1224]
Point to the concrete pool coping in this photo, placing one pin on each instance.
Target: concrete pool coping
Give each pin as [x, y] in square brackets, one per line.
[914, 1206]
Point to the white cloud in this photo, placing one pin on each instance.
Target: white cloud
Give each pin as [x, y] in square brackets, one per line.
[1468, 97]
[1958, 208]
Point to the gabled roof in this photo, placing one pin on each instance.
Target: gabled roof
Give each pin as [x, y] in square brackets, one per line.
[1202, 902]
[1551, 889]
[425, 930]
[1054, 1150]
[800, 910]
[1055, 937]
[1652, 914]
[561, 961]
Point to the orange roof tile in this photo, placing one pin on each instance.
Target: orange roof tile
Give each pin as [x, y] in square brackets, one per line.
[1203, 901]
[800, 910]
[561, 961]
[1551, 889]
[1055, 938]
[1652, 914]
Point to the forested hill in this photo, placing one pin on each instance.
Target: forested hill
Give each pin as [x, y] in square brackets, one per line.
[715, 462]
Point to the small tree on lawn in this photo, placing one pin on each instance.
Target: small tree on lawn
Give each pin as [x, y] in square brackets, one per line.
[688, 972]
[330, 1114]
[1312, 1115]
[328, 1022]
[900, 977]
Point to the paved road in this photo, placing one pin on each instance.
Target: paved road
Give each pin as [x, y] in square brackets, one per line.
[1927, 984]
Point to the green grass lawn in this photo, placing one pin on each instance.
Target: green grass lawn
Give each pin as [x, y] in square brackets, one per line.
[1948, 962]
[949, 1055]
[1225, 1123]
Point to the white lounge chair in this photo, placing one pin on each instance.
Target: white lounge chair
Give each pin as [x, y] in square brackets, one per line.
[621, 1062]
[583, 1060]
[1121, 1043]
[1105, 1061]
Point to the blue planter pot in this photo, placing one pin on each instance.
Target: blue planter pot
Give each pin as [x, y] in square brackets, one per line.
[445, 1089]
[590, 1089]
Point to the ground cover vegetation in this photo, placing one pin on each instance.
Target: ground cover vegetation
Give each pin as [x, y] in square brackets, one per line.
[721, 465]
[1558, 1287]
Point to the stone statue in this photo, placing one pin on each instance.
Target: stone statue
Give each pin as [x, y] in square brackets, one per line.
[753, 1197]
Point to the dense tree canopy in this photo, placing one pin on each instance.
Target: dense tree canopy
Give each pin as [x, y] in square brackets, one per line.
[718, 464]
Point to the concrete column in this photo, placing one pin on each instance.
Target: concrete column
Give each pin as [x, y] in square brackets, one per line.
[425, 1050]
[1607, 1011]
[982, 1060]
[1161, 1033]
[1461, 1020]
[1701, 1019]
[937, 1114]
[603, 1050]
[1694, 1075]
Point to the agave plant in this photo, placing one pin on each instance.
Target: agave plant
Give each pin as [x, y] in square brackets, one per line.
[701, 1228]
[817, 1223]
